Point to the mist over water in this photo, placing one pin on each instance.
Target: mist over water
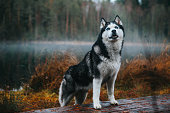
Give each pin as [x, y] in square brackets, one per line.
[18, 59]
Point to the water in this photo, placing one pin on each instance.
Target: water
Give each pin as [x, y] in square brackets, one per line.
[18, 60]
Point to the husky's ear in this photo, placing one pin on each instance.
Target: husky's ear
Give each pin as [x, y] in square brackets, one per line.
[117, 20]
[102, 23]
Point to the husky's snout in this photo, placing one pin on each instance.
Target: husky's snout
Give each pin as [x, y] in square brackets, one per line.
[114, 35]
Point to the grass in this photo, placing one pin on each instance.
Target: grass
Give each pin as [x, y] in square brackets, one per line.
[141, 76]
[10, 101]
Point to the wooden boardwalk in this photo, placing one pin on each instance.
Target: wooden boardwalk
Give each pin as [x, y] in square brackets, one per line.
[149, 104]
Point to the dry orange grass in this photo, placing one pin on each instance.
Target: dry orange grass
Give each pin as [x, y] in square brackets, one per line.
[11, 101]
[49, 75]
[40, 100]
[152, 72]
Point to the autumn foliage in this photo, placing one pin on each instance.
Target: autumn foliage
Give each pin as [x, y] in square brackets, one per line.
[49, 74]
[153, 72]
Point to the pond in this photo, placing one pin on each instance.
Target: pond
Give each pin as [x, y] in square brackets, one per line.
[18, 59]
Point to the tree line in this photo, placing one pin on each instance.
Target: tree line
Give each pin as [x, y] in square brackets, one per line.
[79, 19]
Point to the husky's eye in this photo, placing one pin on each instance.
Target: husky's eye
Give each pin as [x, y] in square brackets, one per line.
[107, 28]
[116, 27]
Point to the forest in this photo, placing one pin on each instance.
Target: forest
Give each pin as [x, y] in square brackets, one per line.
[41, 39]
[79, 19]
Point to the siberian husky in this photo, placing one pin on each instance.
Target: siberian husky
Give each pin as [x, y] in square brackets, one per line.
[100, 65]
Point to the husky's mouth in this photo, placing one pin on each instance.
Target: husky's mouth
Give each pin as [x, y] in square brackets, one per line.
[113, 37]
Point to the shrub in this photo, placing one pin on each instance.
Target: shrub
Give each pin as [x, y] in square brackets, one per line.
[153, 72]
[49, 74]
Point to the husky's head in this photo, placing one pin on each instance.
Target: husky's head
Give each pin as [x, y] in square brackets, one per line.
[112, 31]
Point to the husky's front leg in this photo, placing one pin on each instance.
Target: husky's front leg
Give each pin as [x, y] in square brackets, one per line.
[110, 89]
[96, 93]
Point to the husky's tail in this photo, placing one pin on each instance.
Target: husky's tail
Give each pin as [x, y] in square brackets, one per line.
[66, 91]
[61, 93]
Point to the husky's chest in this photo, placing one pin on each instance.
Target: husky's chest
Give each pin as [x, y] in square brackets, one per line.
[109, 66]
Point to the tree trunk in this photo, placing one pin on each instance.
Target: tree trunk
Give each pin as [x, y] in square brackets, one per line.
[71, 28]
[67, 22]
[37, 17]
[84, 14]
[18, 17]
[30, 22]
[56, 24]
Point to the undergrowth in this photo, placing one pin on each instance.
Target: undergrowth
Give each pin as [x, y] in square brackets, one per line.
[140, 76]
[49, 74]
[10, 101]
[142, 73]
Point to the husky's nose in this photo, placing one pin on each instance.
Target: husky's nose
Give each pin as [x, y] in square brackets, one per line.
[114, 31]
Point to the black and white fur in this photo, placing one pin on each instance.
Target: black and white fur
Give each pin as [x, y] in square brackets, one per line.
[99, 66]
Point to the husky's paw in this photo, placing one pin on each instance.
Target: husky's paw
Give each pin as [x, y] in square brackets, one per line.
[114, 102]
[97, 106]
[61, 105]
